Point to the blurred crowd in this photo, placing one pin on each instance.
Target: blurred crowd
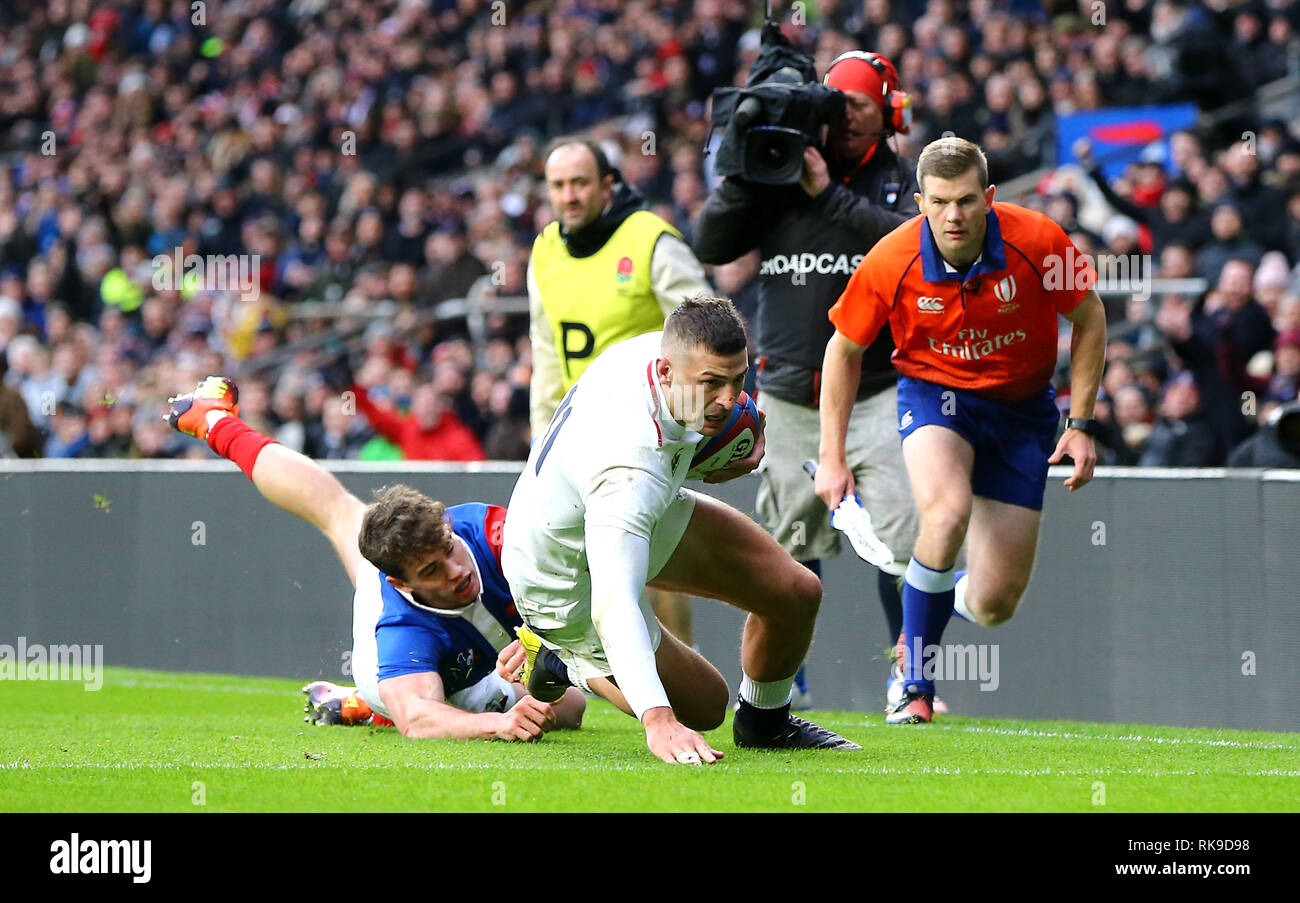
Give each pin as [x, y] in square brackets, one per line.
[1192, 374]
[372, 151]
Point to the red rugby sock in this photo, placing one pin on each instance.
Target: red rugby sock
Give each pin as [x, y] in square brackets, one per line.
[232, 438]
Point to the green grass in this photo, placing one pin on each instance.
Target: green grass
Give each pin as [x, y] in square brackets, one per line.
[143, 741]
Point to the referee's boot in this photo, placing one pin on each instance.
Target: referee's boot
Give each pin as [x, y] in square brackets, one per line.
[544, 675]
[915, 708]
[756, 728]
[189, 412]
[895, 686]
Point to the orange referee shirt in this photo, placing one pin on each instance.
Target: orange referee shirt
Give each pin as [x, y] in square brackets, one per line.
[992, 331]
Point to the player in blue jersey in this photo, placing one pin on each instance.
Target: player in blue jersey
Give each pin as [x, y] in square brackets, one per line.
[433, 618]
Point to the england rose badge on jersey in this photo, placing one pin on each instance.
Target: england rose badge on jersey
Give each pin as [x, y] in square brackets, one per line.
[624, 269]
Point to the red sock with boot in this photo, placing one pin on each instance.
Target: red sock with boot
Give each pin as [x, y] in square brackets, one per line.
[234, 439]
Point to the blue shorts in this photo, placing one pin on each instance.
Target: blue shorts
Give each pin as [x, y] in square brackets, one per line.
[1012, 442]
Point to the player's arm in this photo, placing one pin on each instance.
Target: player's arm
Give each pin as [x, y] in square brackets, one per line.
[420, 710]
[618, 522]
[841, 370]
[1087, 360]
[547, 385]
[619, 562]
[675, 273]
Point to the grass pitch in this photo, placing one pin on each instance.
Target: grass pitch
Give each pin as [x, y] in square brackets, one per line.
[156, 741]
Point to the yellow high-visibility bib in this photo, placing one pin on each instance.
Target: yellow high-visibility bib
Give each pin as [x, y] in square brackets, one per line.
[597, 301]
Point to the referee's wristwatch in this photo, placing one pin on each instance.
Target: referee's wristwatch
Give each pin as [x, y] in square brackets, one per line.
[1085, 425]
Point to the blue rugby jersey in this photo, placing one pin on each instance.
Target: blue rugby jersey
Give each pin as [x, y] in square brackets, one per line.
[461, 647]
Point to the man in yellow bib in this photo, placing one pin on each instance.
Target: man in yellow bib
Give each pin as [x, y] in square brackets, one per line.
[606, 270]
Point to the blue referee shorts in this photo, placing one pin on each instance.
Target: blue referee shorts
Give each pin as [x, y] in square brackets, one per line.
[1012, 442]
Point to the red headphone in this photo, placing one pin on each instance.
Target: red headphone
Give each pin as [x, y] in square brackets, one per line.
[895, 104]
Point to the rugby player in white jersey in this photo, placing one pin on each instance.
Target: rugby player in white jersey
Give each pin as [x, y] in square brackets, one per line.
[599, 512]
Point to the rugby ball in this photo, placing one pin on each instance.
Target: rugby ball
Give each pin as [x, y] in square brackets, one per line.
[732, 444]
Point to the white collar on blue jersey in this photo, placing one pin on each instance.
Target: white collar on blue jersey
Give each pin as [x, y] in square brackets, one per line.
[452, 612]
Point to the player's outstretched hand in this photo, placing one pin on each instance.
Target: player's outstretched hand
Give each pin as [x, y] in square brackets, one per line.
[833, 482]
[528, 720]
[510, 661]
[675, 743]
[746, 464]
[1078, 445]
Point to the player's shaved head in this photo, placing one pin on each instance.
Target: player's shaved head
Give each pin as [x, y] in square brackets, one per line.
[705, 360]
[711, 322]
[401, 526]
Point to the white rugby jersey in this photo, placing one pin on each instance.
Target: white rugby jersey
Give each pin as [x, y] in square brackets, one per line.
[612, 456]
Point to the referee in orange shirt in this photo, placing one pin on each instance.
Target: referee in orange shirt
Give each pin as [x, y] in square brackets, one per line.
[971, 290]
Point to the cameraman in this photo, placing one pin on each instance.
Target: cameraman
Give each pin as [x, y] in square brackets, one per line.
[811, 237]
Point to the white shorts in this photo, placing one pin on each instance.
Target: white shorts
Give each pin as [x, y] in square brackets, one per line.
[562, 621]
[491, 694]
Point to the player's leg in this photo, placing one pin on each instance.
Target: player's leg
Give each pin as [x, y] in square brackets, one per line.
[290, 480]
[674, 613]
[722, 554]
[1003, 542]
[696, 690]
[302, 487]
[569, 710]
[1008, 484]
[725, 555]
[939, 462]
[367, 607]
[329, 703]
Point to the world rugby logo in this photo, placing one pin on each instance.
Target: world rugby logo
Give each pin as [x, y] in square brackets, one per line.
[1005, 290]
